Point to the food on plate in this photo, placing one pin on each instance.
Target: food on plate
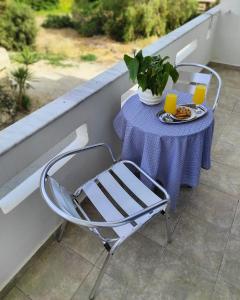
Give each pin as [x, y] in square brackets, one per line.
[182, 112]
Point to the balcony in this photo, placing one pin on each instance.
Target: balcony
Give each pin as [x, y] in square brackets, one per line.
[202, 262]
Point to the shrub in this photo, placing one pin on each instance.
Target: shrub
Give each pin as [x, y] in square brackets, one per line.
[89, 17]
[22, 76]
[124, 20]
[89, 57]
[7, 103]
[141, 19]
[17, 27]
[55, 21]
[41, 4]
[128, 20]
[179, 12]
[27, 57]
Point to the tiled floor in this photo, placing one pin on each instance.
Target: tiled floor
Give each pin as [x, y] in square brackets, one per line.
[202, 262]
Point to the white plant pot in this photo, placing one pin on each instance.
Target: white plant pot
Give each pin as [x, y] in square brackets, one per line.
[148, 98]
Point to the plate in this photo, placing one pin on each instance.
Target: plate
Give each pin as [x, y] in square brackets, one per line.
[193, 114]
[197, 111]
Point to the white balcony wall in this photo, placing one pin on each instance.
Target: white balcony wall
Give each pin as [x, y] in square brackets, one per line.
[84, 115]
[227, 38]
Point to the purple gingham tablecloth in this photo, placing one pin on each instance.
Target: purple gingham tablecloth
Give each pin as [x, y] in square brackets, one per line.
[172, 154]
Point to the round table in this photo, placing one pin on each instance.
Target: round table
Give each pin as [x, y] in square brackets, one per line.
[170, 153]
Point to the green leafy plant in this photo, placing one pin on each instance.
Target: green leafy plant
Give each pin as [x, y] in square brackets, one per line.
[55, 21]
[128, 20]
[41, 4]
[21, 76]
[151, 72]
[27, 57]
[17, 26]
[7, 103]
[89, 57]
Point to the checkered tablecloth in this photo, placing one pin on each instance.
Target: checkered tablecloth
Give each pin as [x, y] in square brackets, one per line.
[172, 154]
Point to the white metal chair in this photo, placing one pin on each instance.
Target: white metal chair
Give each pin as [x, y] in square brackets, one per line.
[188, 80]
[124, 202]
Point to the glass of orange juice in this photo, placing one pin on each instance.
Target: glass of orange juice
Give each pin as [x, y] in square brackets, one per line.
[170, 105]
[199, 94]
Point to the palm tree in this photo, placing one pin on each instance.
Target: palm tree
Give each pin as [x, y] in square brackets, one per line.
[21, 76]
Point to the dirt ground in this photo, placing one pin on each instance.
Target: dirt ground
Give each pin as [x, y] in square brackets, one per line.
[53, 81]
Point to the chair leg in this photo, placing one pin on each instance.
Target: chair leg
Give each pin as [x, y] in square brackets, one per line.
[100, 276]
[168, 229]
[61, 231]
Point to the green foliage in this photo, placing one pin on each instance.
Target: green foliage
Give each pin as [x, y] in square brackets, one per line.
[89, 57]
[58, 21]
[7, 102]
[22, 76]
[17, 27]
[133, 20]
[3, 4]
[26, 102]
[41, 4]
[89, 17]
[179, 12]
[151, 72]
[27, 57]
[55, 59]
[128, 20]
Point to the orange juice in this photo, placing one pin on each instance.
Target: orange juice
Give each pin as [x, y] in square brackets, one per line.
[171, 104]
[199, 94]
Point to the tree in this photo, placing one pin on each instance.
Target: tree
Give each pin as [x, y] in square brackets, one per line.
[179, 12]
[123, 20]
[17, 26]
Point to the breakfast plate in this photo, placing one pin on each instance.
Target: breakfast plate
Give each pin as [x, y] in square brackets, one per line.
[194, 112]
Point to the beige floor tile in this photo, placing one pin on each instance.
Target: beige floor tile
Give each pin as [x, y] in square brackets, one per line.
[221, 120]
[223, 178]
[16, 294]
[199, 242]
[156, 228]
[134, 262]
[235, 230]
[83, 242]
[173, 279]
[55, 274]
[228, 98]
[230, 269]
[109, 289]
[211, 205]
[225, 291]
[227, 148]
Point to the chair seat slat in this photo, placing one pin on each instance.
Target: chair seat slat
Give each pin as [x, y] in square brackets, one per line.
[134, 184]
[105, 207]
[123, 199]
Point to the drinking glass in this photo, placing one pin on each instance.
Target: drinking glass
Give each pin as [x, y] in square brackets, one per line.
[199, 94]
[171, 104]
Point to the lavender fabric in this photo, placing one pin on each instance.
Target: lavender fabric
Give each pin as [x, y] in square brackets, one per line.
[172, 154]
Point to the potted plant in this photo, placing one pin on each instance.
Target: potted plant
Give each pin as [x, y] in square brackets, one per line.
[152, 74]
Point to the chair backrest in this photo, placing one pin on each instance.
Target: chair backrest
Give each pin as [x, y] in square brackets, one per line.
[188, 80]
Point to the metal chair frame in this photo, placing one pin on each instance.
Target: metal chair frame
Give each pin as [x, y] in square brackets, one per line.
[213, 72]
[110, 244]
